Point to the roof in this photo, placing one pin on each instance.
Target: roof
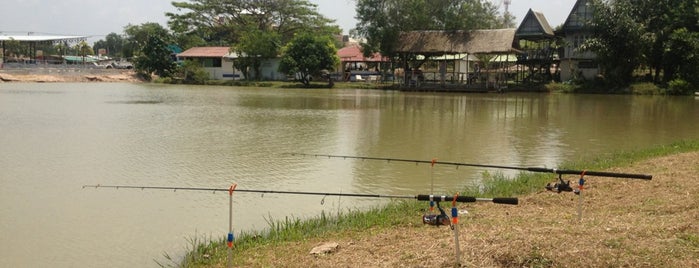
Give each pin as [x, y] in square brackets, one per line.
[453, 42]
[80, 59]
[535, 25]
[205, 52]
[40, 38]
[579, 16]
[353, 53]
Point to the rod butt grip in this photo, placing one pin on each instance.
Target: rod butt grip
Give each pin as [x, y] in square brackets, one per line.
[506, 200]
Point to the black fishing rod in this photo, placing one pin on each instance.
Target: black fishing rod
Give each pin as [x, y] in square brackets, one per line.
[420, 197]
[457, 164]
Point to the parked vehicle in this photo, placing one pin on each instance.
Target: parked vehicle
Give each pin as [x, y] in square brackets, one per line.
[119, 65]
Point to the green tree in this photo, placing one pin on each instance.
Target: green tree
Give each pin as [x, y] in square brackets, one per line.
[308, 55]
[83, 49]
[253, 48]
[136, 37]
[660, 34]
[225, 22]
[682, 58]
[618, 40]
[154, 58]
[113, 43]
[381, 21]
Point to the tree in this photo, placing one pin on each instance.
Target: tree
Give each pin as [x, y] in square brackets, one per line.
[255, 47]
[308, 55]
[660, 34]
[154, 58]
[618, 40]
[137, 36]
[682, 58]
[84, 49]
[224, 22]
[113, 43]
[380, 21]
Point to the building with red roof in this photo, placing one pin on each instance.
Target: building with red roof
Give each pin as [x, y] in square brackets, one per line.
[215, 60]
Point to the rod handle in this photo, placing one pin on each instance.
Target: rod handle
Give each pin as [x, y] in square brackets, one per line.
[444, 198]
[506, 200]
[468, 199]
[591, 173]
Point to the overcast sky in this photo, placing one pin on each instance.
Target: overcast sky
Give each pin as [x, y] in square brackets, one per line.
[100, 17]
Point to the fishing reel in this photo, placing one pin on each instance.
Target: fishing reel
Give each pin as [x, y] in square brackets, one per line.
[437, 219]
[563, 186]
[559, 186]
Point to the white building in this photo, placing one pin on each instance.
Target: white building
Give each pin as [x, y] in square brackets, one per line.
[215, 60]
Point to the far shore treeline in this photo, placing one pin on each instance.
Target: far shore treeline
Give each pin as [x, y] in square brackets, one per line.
[646, 45]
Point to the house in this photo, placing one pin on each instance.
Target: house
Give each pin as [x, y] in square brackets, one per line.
[215, 60]
[269, 68]
[536, 41]
[577, 64]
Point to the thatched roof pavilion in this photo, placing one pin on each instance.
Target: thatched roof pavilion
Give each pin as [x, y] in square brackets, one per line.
[498, 41]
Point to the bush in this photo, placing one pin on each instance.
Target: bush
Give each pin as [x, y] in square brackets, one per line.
[192, 73]
[679, 87]
[645, 88]
[561, 87]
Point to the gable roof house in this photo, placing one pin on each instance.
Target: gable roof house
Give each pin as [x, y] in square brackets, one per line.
[215, 60]
[576, 64]
[536, 41]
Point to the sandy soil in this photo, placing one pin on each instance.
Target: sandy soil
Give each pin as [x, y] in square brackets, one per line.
[625, 223]
[123, 76]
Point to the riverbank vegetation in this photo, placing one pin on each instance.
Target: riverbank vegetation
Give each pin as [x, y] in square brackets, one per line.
[641, 46]
[625, 222]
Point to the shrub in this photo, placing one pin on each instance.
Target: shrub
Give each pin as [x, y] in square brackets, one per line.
[560, 87]
[645, 88]
[192, 73]
[679, 87]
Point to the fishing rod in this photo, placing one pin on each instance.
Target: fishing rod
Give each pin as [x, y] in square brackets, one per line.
[430, 219]
[457, 164]
[419, 197]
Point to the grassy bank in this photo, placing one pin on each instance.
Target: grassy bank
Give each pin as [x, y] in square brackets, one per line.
[286, 84]
[522, 229]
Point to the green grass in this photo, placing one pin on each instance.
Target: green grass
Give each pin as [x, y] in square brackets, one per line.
[401, 212]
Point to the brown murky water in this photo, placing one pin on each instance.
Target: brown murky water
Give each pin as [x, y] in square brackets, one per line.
[54, 138]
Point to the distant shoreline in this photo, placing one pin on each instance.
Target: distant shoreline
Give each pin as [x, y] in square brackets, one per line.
[64, 75]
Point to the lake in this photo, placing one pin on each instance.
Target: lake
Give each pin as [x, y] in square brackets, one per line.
[55, 138]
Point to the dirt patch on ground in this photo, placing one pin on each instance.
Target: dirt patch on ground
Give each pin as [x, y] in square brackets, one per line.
[625, 222]
[124, 76]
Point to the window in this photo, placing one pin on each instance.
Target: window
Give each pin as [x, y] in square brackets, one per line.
[211, 62]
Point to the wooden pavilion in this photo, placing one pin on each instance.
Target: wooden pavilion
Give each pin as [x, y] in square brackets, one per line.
[418, 47]
[355, 65]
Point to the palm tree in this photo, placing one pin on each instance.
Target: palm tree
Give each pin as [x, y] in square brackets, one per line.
[84, 49]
